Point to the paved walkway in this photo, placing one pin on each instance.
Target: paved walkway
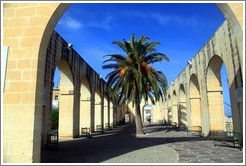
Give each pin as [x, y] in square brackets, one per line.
[160, 145]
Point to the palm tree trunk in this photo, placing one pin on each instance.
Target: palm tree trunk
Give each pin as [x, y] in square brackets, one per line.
[138, 121]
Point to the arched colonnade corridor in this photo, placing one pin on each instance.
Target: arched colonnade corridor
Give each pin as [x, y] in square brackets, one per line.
[82, 99]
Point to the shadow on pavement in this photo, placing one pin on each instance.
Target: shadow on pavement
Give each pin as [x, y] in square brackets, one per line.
[110, 144]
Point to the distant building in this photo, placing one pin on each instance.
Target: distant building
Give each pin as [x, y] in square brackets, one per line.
[228, 123]
[55, 98]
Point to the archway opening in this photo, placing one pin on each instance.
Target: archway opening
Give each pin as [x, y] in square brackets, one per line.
[165, 111]
[195, 102]
[106, 113]
[161, 110]
[55, 100]
[147, 114]
[113, 114]
[85, 104]
[98, 111]
[227, 100]
[220, 115]
[66, 101]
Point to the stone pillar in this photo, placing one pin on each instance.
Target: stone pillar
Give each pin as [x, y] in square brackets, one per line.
[26, 31]
[66, 113]
[92, 125]
[182, 113]
[114, 113]
[175, 112]
[216, 110]
[76, 111]
[109, 119]
[102, 103]
[195, 103]
[85, 104]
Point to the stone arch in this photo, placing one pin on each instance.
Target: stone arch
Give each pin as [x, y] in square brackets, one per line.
[127, 117]
[66, 76]
[234, 15]
[147, 113]
[195, 101]
[50, 14]
[85, 103]
[215, 94]
[182, 106]
[66, 100]
[175, 107]
[161, 110]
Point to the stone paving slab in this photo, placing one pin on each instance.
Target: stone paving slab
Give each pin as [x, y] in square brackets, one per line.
[196, 149]
[154, 154]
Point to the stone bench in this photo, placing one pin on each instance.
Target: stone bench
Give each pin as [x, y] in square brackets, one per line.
[86, 131]
[52, 138]
[107, 126]
[98, 128]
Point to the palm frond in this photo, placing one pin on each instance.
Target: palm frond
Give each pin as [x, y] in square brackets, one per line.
[110, 66]
[132, 72]
[115, 57]
[121, 45]
[156, 57]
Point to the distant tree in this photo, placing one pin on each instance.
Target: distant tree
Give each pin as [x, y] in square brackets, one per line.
[54, 119]
[133, 78]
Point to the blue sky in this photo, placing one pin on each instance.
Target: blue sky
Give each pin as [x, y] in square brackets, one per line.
[182, 29]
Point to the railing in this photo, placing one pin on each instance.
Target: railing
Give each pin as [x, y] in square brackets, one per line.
[227, 138]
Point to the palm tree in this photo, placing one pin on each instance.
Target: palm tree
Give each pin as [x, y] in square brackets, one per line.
[133, 78]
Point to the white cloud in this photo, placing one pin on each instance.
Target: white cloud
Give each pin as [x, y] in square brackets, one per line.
[69, 22]
[101, 23]
[164, 20]
[172, 19]
[73, 24]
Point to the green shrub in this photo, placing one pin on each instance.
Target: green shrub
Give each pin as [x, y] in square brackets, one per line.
[54, 119]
